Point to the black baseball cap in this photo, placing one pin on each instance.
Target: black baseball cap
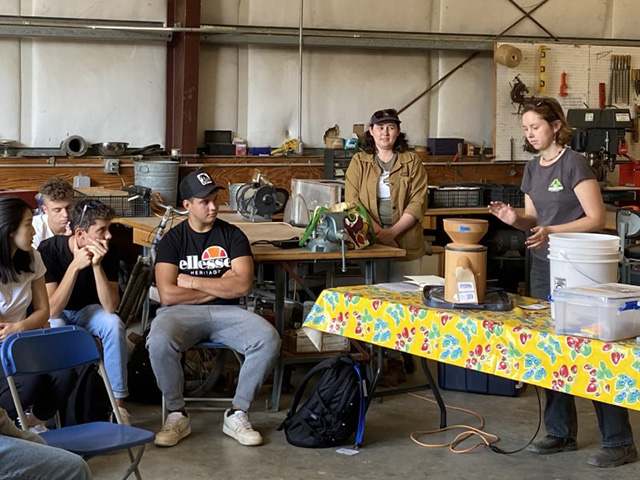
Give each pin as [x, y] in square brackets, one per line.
[198, 184]
[387, 115]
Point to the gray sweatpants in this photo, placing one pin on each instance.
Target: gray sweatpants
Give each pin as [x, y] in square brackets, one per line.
[177, 328]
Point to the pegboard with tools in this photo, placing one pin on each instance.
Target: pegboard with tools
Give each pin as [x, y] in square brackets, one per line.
[578, 76]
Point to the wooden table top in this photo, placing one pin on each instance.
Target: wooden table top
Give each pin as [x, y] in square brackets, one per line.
[144, 230]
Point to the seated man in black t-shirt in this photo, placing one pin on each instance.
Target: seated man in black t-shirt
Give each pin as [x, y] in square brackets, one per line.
[204, 265]
[82, 284]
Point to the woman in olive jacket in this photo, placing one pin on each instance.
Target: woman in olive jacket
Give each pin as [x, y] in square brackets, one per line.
[391, 183]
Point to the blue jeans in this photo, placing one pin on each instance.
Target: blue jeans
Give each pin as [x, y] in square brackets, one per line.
[560, 417]
[177, 328]
[23, 459]
[111, 331]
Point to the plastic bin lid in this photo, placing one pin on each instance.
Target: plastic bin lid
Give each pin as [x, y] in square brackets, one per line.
[610, 291]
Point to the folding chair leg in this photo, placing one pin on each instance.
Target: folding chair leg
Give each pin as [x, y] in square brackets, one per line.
[135, 461]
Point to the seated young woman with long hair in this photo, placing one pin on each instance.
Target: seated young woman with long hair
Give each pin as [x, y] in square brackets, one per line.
[22, 284]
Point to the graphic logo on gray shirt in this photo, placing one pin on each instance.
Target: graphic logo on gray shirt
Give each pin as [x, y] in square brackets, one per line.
[556, 185]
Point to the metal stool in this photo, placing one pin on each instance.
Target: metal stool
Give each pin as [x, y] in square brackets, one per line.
[213, 376]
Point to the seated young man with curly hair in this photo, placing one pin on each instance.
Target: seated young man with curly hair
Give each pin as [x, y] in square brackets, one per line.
[56, 195]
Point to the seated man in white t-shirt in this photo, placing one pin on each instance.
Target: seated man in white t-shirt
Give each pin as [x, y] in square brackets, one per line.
[56, 194]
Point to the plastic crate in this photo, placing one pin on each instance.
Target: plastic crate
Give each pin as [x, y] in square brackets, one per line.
[124, 205]
[499, 192]
[444, 146]
[451, 377]
[445, 197]
[265, 151]
[218, 136]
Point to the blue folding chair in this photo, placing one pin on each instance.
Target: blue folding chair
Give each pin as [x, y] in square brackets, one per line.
[41, 351]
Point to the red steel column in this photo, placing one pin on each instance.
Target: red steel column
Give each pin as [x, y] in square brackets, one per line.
[183, 65]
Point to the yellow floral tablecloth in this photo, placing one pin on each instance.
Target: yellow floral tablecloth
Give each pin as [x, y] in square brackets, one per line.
[519, 344]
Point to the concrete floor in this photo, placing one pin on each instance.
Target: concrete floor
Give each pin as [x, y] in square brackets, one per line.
[388, 451]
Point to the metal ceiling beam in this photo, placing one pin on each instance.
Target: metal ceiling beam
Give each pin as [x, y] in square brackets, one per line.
[317, 37]
[86, 29]
[93, 29]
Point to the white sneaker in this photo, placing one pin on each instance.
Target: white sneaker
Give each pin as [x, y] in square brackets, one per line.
[175, 428]
[39, 429]
[125, 416]
[237, 426]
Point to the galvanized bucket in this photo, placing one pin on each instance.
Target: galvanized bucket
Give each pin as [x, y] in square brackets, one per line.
[161, 176]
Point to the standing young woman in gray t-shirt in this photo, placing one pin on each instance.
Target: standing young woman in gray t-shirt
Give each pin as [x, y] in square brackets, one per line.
[561, 191]
[562, 195]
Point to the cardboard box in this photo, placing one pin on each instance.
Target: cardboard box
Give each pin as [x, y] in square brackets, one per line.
[296, 341]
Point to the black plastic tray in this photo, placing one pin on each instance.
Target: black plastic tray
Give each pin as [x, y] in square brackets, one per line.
[496, 300]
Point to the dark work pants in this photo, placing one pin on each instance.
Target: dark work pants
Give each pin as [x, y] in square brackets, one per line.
[560, 418]
[45, 393]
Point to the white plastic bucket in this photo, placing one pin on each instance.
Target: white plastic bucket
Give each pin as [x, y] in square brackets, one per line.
[582, 259]
[578, 241]
[575, 272]
[587, 257]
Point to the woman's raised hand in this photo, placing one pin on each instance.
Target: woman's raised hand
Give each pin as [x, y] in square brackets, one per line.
[504, 212]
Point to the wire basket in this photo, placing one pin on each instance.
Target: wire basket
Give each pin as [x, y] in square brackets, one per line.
[126, 205]
[445, 197]
[509, 194]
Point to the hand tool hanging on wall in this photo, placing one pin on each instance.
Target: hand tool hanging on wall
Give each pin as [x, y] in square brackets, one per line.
[635, 133]
[635, 75]
[613, 79]
[518, 89]
[512, 170]
[563, 84]
[542, 70]
[602, 95]
[620, 79]
[627, 76]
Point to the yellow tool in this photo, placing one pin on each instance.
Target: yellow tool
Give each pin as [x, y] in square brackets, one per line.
[287, 147]
[542, 70]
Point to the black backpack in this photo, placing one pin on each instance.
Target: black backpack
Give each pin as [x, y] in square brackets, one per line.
[142, 381]
[335, 409]
[88, 401]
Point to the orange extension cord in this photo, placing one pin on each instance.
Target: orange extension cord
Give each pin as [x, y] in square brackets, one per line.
[487, 439]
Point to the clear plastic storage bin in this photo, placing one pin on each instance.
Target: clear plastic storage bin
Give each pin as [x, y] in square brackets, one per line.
[607, 312]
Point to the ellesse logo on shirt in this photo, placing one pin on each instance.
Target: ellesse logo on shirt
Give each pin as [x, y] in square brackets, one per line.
[213, 258]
